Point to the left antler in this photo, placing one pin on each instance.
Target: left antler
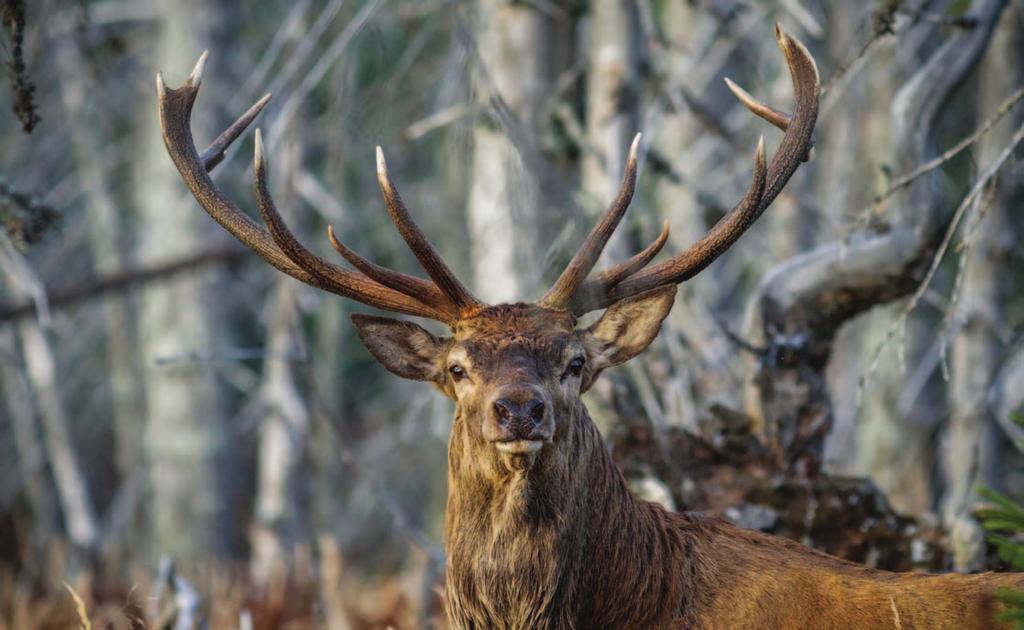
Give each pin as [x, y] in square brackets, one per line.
[573, 292]
[445, 299]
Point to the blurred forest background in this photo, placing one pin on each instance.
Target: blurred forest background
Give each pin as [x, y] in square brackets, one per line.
[846, 375]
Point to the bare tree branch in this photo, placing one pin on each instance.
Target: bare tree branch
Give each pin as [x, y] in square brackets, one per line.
[72, 294]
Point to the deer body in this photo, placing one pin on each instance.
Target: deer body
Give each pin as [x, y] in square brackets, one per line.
[541, 530]
[574, 548]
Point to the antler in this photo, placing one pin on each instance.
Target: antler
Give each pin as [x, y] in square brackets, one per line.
[445, 299]
[574, 294]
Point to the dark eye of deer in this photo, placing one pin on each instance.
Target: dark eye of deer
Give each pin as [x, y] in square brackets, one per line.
[457, 372]
[575, 366]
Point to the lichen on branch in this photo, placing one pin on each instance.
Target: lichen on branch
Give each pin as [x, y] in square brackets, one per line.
[12, 16]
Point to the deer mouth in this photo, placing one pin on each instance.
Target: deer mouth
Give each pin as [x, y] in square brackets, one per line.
[520, 447]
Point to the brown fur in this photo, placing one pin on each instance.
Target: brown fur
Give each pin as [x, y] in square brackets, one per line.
[555, 540]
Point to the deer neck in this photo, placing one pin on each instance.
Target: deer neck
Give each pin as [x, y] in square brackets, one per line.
[557, 543]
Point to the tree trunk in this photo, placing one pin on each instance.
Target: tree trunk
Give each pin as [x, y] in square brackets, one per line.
[612, 108]
[522, 51]
[187, 442]
[281, 514]
[847, 171]
[88, 133]
[611, 102]
[893, 434]
[970, 453]
[896, 448]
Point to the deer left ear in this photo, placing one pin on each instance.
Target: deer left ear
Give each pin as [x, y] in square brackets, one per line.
[628, 326]
[402, 347]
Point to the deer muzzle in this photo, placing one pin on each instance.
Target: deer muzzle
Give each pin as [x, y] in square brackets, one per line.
[519, 421]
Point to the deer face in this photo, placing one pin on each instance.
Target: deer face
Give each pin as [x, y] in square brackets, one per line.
[516, 371]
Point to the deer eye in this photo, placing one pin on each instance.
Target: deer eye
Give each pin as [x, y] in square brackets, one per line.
[457, 372]
[576, 366]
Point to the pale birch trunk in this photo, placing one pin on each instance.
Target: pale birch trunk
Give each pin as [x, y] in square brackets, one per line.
[894, 444]
[280, 492]
[187, 442]
[522, 51]
[612, 102]
[970, 453]
[89, 131]
[280, 511]
[847, 168]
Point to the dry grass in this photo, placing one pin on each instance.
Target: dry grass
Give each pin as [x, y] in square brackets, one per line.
[83, 616]
[304, 597]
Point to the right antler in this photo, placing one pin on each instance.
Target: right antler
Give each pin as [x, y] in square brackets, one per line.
[445, 299]
[573, 292]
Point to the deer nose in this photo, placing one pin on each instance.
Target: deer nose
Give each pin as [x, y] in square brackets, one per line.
[509, 411]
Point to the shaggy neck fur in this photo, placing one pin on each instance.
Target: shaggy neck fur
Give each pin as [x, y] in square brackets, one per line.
[558, 545]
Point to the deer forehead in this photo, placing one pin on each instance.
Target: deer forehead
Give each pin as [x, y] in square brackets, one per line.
[502, 319]
[515, 336]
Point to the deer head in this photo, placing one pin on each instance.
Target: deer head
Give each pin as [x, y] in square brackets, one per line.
[515, 371]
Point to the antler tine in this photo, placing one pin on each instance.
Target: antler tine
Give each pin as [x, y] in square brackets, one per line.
[776, 117]
[619, 272]
[398, 281]
[575, 274]
[764, 188]
[796, 143]
[175, 110]
[348, 284]
[214, 154]
[425, 253]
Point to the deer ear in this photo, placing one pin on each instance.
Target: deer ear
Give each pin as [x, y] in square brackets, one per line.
[628, 326]
[402, 347]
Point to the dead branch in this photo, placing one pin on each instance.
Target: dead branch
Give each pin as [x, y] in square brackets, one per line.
[25, 218]
[70, 295]
[12, 16]
[872, 211]
[979, 186]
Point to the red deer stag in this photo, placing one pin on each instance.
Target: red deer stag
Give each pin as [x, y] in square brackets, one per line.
[541, 530]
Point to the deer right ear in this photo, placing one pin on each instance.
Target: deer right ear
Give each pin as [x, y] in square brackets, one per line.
[402, 347]
[628, 326]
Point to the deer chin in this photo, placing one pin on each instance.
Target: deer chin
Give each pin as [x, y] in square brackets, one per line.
[519, 447]
[519, 455]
